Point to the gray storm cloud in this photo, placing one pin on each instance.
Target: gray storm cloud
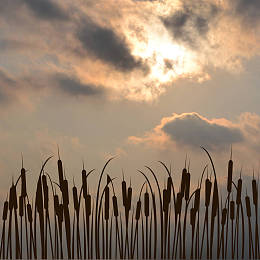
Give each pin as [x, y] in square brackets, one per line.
[194, 130]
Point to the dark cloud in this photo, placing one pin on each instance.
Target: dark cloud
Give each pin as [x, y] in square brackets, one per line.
[191, 23]
[194, 130]
[249, 10]
[46, 9]
[74, 87]
[104, 44]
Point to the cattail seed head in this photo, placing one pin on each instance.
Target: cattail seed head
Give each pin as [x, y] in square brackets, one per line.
[248, 206]
[45, 191]
[20, 206]
[65, 192]
[197, 199]
[169, 187]
[232, 210]
[224, 216]
[129, 199]
[23, 183]
[60, 171]
[165, 200]
[138, 210]
[183, 181]
[5, 210]
[146, 204]
[12, 198]
[29, 210]
[106, 203]
[60, 212]
[230, 172]
[192, 216]
[178, 203]
[84, 183]
[39, 198]
[88, 205]
[255, 192]
[124, 192]
[239, 190]
[187, 186]
[215, 199]
[56, 203]
[115, 206]
[75, 198]
[208, 185]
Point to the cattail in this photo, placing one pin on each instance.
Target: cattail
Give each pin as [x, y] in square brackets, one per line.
[255, 192]
[129, 198]
[88, 205]
[208, 185]
[75, 198]
[84, 183]
[115, 206]
[183, 181]
[239, 190]
[224, 216]
[23, 183]
[230, 172]
[178, 203]
[187, 186]
[56, 203]
[165, 200]
[20, 206]
[65, 192]
[146, 204]
[215, 199]
[106, 203]
[138, 210]
[169, 187]
[192, 216]
[29, 210]
[45, 191]
[232, 210]
[12, 198]
[60, 170]
[39, 198]
[124, 192]
[5, 210]
[197, 199]
[248, 207]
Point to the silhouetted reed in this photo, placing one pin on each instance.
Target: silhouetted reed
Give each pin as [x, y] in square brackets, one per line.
[59, 226]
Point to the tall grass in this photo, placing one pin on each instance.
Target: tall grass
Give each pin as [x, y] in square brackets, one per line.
[151, 221]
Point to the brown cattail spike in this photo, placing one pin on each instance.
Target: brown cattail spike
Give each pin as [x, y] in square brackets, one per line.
[29, 210]
[183, 181]
[146, 204]
[138, 210]
[124, 191]
[224, 216]
[115, 206]
[248, 207]
[255, 192]
[208, 186]
[5, 210]
[239, 191]
[20, 206]
[106, 203]
[187, 186]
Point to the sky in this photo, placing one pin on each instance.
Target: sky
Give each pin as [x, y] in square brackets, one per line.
[140, 80]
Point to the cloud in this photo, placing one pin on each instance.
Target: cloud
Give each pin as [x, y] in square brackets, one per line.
[46, 9]
[104, 44]
[191, 23]
[193, 130]
[74, 87]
